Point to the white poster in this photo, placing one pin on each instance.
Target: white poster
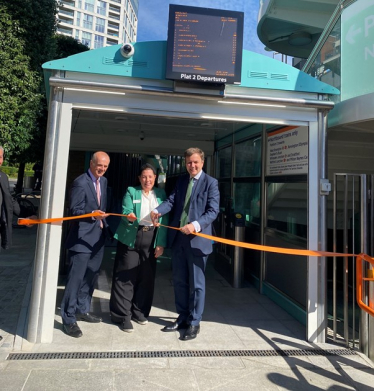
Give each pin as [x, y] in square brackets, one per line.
[287, 151]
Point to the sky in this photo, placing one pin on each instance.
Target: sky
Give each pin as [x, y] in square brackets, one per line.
[154, 14]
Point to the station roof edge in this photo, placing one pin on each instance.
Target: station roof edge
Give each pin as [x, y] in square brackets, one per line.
[149, 62]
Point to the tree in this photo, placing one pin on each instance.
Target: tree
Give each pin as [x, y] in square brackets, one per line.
[38, 22]
[68, 46]
[19, 90]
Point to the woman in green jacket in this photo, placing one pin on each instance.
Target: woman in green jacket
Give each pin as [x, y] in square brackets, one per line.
[139, 245]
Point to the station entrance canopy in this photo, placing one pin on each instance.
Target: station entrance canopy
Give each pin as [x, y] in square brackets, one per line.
[99, 100]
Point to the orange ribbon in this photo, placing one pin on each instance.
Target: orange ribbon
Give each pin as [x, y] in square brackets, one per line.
[259, 247]
[280, 250]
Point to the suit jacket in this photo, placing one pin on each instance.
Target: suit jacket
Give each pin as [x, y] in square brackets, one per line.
[8, 207]
[85, 235]
[204, 208]
[126, 231]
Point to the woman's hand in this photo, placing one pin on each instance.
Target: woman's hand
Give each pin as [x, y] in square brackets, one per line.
[159, 251]
[131, 217]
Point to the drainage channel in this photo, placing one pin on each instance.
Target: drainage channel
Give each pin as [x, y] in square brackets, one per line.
[182, 353]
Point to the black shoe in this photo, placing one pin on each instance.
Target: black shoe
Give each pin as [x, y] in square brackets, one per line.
[126, 326]
[141, 319]
[72, 330]
[175, 326]
[191, 333]
[87, 317]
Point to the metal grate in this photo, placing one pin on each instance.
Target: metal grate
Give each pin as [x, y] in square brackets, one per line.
[182, 353]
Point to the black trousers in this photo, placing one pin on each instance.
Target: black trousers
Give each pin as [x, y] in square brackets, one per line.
[133, 278]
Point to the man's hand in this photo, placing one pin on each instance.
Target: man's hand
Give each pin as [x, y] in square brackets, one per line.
[154, 218]
[158, 251]
[131, 217]
[102, 215]
[187, 229]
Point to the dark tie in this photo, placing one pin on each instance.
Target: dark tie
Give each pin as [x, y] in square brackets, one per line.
[186, 207]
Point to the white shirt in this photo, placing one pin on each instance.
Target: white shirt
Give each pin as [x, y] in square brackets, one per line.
[148, 203]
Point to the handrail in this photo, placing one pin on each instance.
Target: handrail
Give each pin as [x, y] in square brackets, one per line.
[360, 282]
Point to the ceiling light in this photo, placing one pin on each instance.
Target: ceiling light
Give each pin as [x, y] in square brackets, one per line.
[250, 104]
[96, 91]
[98, 108]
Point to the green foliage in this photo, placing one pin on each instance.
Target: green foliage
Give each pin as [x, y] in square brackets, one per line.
[27, 31]
[10, 171]
[19, 85]
[67, 46]
[38, 21]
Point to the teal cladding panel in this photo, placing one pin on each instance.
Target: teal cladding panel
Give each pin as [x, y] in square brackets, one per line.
[149, 61]
[357, 41]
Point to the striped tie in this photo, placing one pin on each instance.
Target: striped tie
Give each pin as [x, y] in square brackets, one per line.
[98, 194]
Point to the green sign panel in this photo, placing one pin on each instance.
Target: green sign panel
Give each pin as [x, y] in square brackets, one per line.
[357, 49]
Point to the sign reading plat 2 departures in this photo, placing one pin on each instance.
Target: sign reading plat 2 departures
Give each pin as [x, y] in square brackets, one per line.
[287, 151]
[204, 45]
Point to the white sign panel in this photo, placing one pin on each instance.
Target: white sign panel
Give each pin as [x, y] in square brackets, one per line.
[287, 151]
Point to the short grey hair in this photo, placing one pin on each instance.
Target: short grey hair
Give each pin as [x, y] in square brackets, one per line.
[1, 148]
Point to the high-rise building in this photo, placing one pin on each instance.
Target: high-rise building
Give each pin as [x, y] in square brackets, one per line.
[98, 23]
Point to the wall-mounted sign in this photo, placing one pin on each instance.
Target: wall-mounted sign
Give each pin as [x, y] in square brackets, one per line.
[287, 151]
[204, 45]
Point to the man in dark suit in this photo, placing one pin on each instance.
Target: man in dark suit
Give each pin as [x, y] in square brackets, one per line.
[195, 203]
[8, 206]
[85, 242]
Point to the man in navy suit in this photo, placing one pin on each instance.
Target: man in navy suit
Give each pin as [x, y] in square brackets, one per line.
[195, 203]
[85, 242]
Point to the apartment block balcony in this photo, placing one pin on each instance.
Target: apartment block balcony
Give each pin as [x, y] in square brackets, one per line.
[113, 26]
[66, 13]
[65, 31]
[69, 3]
[66, 21]
[111, 16]
[114, 9]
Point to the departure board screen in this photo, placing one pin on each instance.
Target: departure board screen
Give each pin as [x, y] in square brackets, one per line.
[204, 45]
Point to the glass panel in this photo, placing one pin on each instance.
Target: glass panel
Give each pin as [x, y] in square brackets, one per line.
[100, 25]
[79, 15]
[248, 158]
[288, 273]
[101, 7]
[87, 21]
[86, 38]
[89, 5]
[99, 41]
[247, 201]
[327, 65]
[224, 163]
[225, 195]
[287, 205]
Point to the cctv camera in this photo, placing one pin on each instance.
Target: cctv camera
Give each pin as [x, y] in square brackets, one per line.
[127, 50]
[141, 136]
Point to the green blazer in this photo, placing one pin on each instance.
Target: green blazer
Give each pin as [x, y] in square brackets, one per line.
[126, 231]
